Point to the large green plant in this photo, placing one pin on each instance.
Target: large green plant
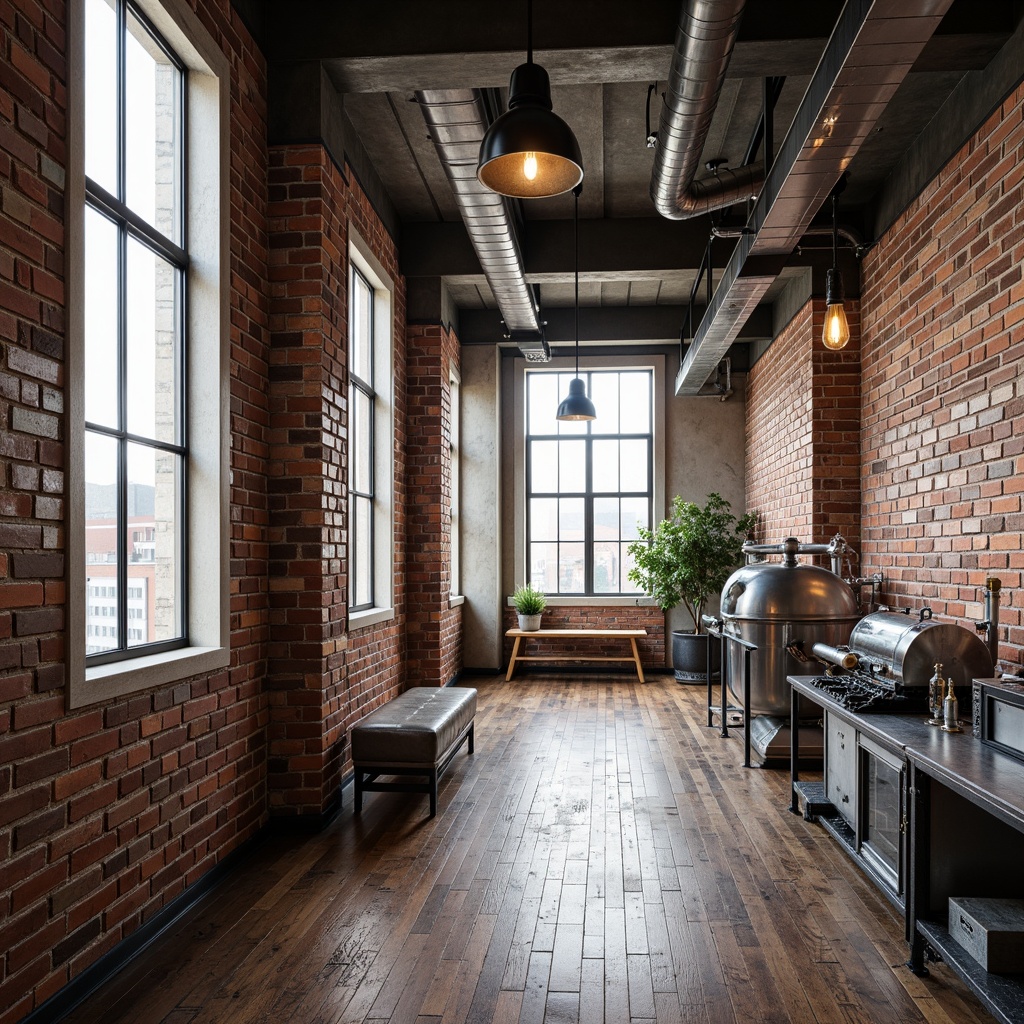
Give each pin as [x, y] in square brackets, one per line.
[688, 557]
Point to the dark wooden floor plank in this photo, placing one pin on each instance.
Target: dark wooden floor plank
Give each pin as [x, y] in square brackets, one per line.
[601, 858]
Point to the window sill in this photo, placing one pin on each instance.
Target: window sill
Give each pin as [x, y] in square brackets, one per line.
[370, 617]
[582, 600]
[118, 679]
[455, 600]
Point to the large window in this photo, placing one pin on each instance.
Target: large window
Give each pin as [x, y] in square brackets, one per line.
[136, 458]
[371, 461]
[362, 409]
[455, 452]
[589, 485]
[148, 358]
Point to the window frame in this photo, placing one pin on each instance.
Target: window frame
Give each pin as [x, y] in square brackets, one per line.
[206, 190]
[362, 259]
[626, 363]
[367, 390]
[132, 227]
[455, 484]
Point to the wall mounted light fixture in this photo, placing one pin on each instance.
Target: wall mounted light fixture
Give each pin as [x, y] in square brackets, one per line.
[836, 332]
[577, 406]
[529, 152]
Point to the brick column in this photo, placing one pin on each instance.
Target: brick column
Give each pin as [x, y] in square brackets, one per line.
[308, 271]
[434, 635]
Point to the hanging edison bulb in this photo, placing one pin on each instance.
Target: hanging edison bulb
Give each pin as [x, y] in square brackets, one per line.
[836, 332]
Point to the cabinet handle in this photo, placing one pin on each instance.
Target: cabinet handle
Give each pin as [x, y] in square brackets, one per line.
[966, 925]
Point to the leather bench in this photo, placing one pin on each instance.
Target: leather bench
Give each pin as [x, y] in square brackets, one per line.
[415, 735]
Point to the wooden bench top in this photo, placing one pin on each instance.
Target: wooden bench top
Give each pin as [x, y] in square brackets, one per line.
[579, 631]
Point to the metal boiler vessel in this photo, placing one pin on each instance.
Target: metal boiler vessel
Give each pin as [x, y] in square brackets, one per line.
[774, 604]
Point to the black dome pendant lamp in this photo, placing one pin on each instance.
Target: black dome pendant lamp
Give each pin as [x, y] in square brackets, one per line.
[577, 406]
[529, 152]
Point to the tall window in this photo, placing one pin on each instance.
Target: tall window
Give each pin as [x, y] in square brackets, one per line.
[455, 428]
[149, 374]
[135, 265]
[362, 409]
[589, 485]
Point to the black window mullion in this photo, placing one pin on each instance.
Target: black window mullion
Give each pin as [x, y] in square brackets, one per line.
[122, 444]
[588, 517]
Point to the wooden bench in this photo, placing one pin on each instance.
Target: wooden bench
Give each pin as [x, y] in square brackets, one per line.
[574, 634]
[416, 735]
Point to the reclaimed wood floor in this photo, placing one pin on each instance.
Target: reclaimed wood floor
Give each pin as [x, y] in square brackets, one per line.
[601, 857]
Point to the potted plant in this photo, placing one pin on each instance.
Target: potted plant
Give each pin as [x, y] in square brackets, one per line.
[687, 558]
[529, 603]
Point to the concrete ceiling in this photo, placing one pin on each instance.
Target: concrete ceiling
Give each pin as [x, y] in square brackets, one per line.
[602, 57]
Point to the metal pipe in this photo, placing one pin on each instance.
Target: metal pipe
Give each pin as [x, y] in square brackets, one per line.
[991, 624]
[834, 656]
[791, 547]
[704, 42]
[457, 120]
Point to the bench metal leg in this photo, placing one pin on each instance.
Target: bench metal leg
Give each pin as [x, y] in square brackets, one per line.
[471, 728]
[358, 790]
[433, 792]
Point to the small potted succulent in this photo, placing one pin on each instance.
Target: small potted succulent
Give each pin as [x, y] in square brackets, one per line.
[529, 603]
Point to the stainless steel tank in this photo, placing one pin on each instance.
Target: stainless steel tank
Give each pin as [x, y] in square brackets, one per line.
[905, 649]
[772, 604]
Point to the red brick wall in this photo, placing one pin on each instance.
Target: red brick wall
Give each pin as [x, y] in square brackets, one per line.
[943, 360]
[434, 649]
[107, 814]
[651, 647]
[321, 679]
[780, 455]
[803, 433]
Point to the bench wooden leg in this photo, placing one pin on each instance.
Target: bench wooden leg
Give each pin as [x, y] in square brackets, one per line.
[636, 658]
[512, 660]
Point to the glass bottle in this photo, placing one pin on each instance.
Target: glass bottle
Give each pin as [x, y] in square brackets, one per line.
[950, 710]
[936, 692]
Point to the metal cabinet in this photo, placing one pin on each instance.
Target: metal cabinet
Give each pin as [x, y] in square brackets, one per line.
[841, 767]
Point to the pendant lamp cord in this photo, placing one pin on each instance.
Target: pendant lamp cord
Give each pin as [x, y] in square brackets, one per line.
[576, 263]
[529, 31]
[835, 234]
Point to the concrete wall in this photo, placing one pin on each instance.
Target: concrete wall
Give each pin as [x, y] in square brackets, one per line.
[481, 507]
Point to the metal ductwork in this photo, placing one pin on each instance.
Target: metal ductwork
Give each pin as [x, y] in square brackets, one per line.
[457, 120]
[704, 43]
[872, 48]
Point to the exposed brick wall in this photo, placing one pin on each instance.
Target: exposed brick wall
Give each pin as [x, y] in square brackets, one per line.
[434, 648]
[651, 647]
[803, 433]
[943, 359]
[108, 813]
[779, 453]
[311, 667]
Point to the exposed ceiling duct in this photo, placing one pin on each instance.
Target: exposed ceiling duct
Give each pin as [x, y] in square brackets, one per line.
[704, 43]
[873, 47]
[457, 120]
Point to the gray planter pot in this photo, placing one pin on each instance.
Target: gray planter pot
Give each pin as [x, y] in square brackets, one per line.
[690, 656]
[529, 623]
